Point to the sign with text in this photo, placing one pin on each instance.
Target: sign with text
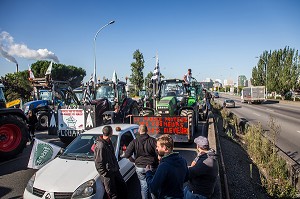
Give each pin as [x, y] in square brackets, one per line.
[164, 124]
[71, 119]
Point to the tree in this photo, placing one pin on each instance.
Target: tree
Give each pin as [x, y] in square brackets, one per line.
[60, 72]
[137, 76]
[282, 70]
[17, 86]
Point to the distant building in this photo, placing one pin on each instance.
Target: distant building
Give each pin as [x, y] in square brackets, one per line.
[208, 83]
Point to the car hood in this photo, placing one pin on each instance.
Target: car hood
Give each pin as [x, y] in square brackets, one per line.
[62, 175]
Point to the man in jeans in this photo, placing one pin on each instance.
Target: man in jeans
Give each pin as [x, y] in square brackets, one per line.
[107, 166]
[144, 150]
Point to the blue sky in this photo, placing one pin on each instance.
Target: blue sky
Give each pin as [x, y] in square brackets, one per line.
[216, 39]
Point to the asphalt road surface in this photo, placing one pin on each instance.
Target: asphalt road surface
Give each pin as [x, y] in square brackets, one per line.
[286, 116]
[14, 173]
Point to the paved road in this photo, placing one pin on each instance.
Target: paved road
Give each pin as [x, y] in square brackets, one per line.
[14, 173]
[286, 115]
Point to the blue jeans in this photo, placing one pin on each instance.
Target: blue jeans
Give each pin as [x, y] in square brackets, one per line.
[190, 195]
[141, 173]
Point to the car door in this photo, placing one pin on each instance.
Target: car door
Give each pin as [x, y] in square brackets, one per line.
[127, 168]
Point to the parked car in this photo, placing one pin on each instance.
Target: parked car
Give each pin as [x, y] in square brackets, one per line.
[73, 174]
[229, 103]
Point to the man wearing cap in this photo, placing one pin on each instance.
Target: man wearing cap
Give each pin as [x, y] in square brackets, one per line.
[107, 166]
[202, 172]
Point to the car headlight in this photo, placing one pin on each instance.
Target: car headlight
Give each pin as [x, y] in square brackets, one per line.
[30, 183]
[85, 190]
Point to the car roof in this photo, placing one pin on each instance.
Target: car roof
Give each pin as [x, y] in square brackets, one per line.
[124, 127]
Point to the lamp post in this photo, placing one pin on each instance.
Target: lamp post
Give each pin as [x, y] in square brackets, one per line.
[266, 70]
[95, 78]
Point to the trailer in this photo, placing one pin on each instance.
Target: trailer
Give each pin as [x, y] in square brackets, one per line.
[253, 94]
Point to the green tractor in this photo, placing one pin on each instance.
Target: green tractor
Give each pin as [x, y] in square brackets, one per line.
[174, 98]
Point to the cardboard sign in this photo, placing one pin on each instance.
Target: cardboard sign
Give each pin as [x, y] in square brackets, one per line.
[164, 124]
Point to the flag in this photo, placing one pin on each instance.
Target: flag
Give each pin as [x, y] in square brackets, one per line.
[115, 77]
[48, 72]
[87, 91]
[42, 153]
[31, 76]
[156, 72]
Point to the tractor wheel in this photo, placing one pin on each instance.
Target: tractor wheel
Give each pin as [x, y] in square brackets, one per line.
[42, 120]
[190, 114]
[13, 135]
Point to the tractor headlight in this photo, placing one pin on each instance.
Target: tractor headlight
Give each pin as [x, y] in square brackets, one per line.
[85, 190]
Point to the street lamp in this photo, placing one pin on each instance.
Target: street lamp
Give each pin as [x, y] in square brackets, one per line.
[111, 22]
[266, 70]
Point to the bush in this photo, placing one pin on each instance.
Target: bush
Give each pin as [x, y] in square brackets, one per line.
[264, 154]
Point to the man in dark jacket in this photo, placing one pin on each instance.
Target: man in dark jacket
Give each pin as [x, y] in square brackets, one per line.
[107, 166]
[32, 120]
[202, 172]
[172, 172]
[144, 150]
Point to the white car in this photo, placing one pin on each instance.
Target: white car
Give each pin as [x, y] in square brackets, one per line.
[73, 174]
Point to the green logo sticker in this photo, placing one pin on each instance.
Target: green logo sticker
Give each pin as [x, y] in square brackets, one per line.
[42, 154]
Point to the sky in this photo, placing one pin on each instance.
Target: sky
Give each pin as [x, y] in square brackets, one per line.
[216, 39]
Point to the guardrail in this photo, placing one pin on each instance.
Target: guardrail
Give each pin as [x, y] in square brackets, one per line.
[214, 143]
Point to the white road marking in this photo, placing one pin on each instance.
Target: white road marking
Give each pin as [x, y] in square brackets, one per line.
[270, 110]
[256, 114]
[277, 106]
[298, 131]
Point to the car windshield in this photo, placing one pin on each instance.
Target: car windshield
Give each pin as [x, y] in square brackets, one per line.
[82, 148]
[105, 91]
[172, 89]
[229, 101]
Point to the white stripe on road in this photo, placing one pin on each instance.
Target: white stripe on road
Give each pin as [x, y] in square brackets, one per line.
[256, 114]
[270, 110]
[298, 131]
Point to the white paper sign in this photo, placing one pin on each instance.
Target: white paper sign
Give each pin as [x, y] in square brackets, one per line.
[42, 153]
[71, 119]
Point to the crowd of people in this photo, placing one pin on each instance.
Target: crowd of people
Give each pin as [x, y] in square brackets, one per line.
[162, 172]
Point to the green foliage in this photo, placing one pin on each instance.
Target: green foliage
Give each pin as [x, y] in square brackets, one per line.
[17, 86]
[137, 76]
[60, 72]
[282, 68]
[264, 153]
[276, 176]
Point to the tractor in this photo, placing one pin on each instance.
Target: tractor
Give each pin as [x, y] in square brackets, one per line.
[173, 99]
[47, 94]
[97, 108]
[13, 129]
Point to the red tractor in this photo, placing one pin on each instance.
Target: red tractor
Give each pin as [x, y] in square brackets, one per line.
[13, 129]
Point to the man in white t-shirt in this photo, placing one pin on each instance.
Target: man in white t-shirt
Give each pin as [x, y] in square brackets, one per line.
[188, 77]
